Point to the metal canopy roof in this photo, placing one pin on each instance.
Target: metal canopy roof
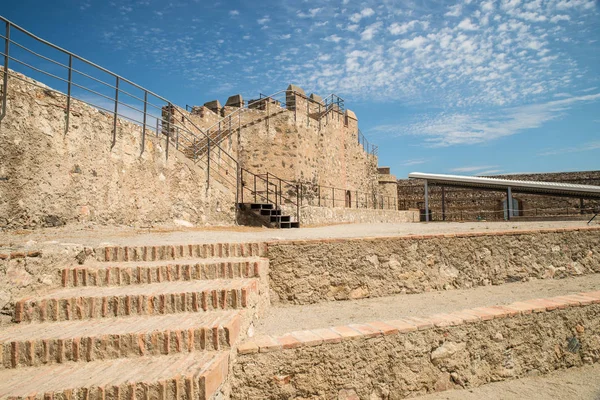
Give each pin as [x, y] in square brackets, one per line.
[530, 187]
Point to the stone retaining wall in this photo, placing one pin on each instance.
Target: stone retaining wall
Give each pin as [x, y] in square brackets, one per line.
[313, 215]
[312, 271]
[404, 358]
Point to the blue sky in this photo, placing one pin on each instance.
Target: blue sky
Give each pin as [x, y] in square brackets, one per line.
[469, 87]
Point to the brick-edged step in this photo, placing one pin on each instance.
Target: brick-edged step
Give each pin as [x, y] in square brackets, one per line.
[457, 349]
[151, 299]
[110, 338]
[142, 272]
[173, 252]
[315, 337]
[181, 376]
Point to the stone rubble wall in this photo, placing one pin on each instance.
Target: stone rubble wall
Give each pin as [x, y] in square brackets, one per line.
[467, 203]
[313, 271]
[313, 215]
[414, 356]
[55, 178]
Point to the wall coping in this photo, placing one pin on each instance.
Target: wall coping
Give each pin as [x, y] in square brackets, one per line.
[434, 236]
[205, 250]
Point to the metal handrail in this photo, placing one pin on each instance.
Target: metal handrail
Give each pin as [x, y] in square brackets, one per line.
[174, 132]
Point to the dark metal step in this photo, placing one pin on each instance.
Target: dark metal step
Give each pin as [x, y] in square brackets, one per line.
[270, 212]
[282, 218]
[261, 206]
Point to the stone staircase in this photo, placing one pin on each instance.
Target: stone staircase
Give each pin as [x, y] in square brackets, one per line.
[266, 214]
[141, 322]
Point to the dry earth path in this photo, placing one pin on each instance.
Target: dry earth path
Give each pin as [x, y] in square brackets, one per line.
[94, 235]
[571, 384]
[280, 320]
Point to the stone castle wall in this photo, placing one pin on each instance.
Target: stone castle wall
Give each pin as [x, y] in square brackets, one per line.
[467, 204]
[53, 178]
[295, 140]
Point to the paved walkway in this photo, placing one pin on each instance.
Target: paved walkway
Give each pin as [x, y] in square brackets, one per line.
[280, 320]
[570, 384]
[100, 235]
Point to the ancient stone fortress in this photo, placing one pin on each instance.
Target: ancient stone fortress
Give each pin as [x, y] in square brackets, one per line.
[93, 310]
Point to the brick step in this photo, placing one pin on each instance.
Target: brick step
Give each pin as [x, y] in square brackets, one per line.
[151, 299]
[182, 376]
[173, 252]
[313, 337]
[110, 338]
[142, 272]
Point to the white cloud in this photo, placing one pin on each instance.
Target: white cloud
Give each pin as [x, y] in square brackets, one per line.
[234, 13]
[413, 43]
[467, 25]
[560, 17]
[333, 38]
[285, 37]
[370, 31]
[365, 13]
[455, 11]
[399, 29]
[263, 20]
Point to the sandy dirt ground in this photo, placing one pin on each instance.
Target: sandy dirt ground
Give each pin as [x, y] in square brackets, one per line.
[280, 320]
[94, 235]
[571, 384]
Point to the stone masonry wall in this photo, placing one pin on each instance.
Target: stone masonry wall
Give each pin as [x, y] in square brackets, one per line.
[313, 271]
[53, 178]
[292, 145]
[467, 204]
[312, 215]
[405, 358]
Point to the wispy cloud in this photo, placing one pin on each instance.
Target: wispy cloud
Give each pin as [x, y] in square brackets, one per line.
[589, 146]
[364, 13]
[408, 163]
[473, 168]
[447, 129]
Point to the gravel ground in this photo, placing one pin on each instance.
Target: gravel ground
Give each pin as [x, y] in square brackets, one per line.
[571, 384]
[280, 320]
[100, 235]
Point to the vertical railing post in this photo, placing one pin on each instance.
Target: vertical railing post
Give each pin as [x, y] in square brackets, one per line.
[208, 163]
[144, 124]
[307, 113]
[319, 194]
[114, 138]
[320, 115]
[169, 116]
[333, 197]
[5, 77]
[238, 184]
[298, 204]
[268, 187]
[70, 76]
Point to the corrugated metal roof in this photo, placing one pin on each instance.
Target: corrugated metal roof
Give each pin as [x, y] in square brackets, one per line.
[497, 183]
